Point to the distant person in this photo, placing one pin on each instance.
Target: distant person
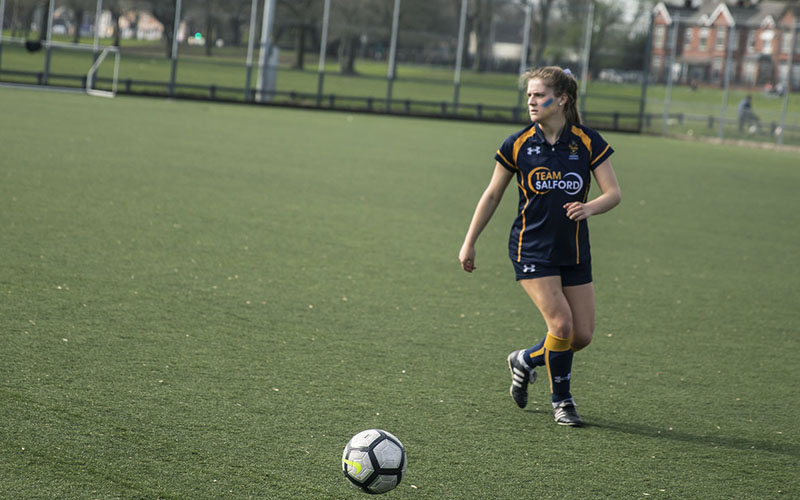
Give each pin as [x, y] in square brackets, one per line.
[746, 114]
[553, 160]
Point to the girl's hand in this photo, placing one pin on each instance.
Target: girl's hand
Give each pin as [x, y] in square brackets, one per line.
[467, 258]
[577, 211]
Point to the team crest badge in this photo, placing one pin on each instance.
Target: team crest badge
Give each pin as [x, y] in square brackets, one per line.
[573, 151]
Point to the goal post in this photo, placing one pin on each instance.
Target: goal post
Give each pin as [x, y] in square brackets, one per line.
[101, 53]
[90, 76]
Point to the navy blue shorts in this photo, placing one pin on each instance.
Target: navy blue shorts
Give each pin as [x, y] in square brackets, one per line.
[576, 274]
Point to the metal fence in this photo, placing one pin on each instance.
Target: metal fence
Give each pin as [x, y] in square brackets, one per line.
[444, 58]
[737, 93]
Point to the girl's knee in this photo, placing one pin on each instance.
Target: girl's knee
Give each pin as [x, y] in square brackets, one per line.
[579, 343]
[561, 327]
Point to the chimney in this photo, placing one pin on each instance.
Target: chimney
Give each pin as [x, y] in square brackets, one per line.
[687, 4]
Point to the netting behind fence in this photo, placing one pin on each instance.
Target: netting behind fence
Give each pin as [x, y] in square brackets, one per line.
[431, 57]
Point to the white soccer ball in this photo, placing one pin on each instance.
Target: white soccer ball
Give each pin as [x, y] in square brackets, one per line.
[374, 461]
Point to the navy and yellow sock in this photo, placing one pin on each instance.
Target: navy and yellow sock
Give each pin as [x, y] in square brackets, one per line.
[535, 355]
[558, 358]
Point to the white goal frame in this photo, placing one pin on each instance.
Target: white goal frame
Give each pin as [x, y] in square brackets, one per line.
[90, 76]
[93, 70]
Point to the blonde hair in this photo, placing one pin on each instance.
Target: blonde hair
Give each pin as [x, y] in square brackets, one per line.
[562, 82]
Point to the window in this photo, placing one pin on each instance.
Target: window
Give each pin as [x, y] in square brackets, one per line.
[749, 73]
[751, 42]
[687, 40]
[786, 43]
[716, 67]
[720, 42]
[783, 72]
[766, 41]
[655, 65]
[658, 36]
[703, 45]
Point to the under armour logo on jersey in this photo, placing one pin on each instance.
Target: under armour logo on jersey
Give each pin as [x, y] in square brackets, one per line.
[537, 150]
[528, 268]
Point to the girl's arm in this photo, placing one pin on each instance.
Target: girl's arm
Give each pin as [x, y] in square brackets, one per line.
[483, 213]
[610, 197]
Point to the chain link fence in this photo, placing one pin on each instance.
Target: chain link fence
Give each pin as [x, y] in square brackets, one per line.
[451, 58]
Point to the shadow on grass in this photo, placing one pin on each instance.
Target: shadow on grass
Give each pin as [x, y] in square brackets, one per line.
[737, 443]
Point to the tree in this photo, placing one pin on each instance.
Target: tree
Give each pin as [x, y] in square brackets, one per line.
[541, 29]
[353, 15]
[299, 18]
[237, 16]
[164, 12]
[607, 18]
[22, 13]
[482, 16]
[79, 8]
[43, 19]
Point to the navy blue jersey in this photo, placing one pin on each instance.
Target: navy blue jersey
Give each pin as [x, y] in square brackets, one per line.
[548, 176]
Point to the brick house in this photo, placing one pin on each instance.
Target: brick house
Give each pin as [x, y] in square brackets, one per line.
[760, 34]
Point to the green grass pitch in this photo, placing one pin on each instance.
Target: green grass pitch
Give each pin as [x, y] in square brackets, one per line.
[207, 301]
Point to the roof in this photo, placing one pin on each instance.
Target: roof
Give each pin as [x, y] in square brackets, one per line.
[708, 11]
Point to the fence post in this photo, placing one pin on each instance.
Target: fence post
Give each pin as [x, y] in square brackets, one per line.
[174, 69]
[727, 78]
[323, 49]
[392, 54]
[788, 87]
[2, 14]
[98, 11]
[646, 70]
[673, 42]
[49, 40]
[587, 48]
[523, 57]
[251, 40]
[459, 54]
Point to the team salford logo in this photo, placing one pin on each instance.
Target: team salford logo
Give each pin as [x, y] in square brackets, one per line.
[542, 180]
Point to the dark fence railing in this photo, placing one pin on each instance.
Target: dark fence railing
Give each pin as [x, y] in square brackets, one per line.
[628, 122]
[609, 121]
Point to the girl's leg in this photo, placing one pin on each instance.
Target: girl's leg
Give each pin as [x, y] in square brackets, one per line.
[553, 302]
[555, 353]
[581, 303]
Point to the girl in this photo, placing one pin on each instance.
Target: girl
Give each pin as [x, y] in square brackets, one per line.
[549, 243]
